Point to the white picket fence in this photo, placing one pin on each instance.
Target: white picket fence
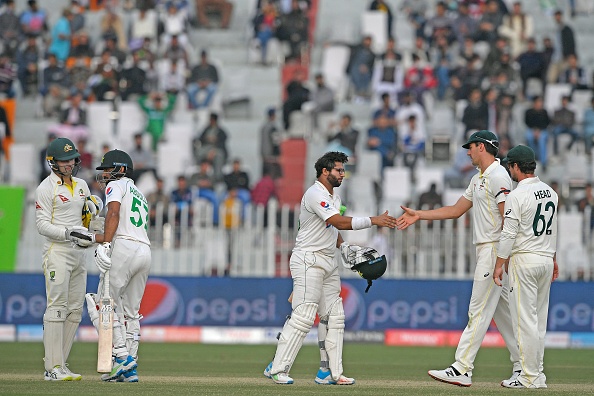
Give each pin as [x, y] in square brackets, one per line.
[196, 246]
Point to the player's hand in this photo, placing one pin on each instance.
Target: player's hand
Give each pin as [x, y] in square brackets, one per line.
[103, 257]
[384, 220]
[555, 270]
[408, 218]
[80, 236]
[498, 276]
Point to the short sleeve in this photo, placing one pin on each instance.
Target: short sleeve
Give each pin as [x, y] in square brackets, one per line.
[320, 205]
[113, 193]
[501, 186]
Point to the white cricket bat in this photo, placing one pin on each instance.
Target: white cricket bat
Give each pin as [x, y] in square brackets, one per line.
[105, 328]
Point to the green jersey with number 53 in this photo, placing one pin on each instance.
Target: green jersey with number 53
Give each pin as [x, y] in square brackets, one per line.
[134, 211]
[532, 210]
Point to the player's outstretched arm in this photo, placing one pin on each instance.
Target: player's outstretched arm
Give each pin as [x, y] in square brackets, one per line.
[384, 220]
[408, 218]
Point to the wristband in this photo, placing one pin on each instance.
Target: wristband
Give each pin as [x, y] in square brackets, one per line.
[360, 223]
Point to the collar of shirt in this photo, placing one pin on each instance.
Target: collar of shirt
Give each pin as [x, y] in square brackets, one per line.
[490, 168]
[529, 180]
[322, 187]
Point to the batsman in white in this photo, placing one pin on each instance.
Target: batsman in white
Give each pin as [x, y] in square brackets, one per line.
[529, 241]
[60, 201]
[126, 253]
[486, 194]
[316, 283]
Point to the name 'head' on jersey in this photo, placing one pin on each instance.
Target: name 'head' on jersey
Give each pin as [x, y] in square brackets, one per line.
[115, 164]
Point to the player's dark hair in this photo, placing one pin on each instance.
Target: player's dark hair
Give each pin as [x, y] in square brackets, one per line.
[526, 167]
[328, 161]
[491, 149]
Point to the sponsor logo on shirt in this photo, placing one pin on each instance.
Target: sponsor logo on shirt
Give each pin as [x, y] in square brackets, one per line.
[325, 205]
[504, 190]
[37, 206]
[63, 198]
[108, 191]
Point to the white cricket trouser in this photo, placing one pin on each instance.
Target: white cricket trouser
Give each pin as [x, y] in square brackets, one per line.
[488, 301]
[530, 278]
[315, 279]
[130, 266]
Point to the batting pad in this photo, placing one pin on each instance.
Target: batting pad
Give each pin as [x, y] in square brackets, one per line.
[52, 343]
[70, 326]
[292, 336]
[334, 338]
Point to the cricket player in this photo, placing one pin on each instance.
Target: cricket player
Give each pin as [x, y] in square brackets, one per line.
[59, 202]
[486, 194]
[126, 252]
[529, 240]
[316, 283]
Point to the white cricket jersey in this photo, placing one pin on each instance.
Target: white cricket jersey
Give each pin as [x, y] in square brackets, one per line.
[315, 235]
[534, 205]
[485, 191]
[134, 211]
[58, 207]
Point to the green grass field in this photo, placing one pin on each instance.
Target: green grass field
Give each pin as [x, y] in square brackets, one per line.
[167, 369]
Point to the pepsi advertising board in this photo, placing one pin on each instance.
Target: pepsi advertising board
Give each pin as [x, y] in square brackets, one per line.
[390, 304]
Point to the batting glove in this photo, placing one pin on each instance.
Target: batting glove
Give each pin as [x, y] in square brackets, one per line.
[80, 236]
[103, 257]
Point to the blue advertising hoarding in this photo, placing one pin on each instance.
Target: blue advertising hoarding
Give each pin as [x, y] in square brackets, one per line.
[390, 304]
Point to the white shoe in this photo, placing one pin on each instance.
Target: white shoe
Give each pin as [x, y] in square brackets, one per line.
[75, 377]
[57, 374]
[267, 371]
[282, 378]
[512, 384]
[449, 376]
[324, 377]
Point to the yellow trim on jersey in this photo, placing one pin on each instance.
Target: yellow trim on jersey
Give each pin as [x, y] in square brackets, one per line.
[487, 191]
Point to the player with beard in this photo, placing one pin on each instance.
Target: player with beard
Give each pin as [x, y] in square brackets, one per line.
[316, 282]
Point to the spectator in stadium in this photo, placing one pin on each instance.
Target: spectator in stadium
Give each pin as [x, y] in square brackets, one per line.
[387, 110]
[158, 198]
[74, 114]
[173, 81]
[203, 179]
[61, 36]
[232, 212]
[114, 51]
[54, 87]
[381, 5]
[33, 20]
[270, 143]
[294, 29]
[439, 24]
[472, 73]
[589, 128]
[142, 158]
[183, 199]
[412, 142]
[105, 81]
[10, 29]
[202, 85]
[156, 110]
[388, 76]
[175, 52]
[112, 26]
[430, 199]
[419, 78]
[505, 117]
[222, 7]
[499, 47]
[174, 24]
[5, 133]
[360, 67]
[408, 107]
[416, 11]
[87, 170]
[574, 74]
[265, 23]
[343, 134]
[383, 138]
[82, 46]
[476, 113]
[464, 25]
[78, 17]
[321, 99]
[564, 123]
[212, 146]
[264, 190]
[532, 65]
[297, 95]
[490, 21]
[563, 46]
[459, 174]
[28, 58]
[143, 26]
[517, 27]
[237, 178]
[133, 83]
[537, 122]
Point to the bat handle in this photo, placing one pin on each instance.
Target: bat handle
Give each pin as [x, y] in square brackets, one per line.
[106, 284]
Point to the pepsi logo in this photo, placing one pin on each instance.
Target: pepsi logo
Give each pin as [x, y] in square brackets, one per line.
[354, 307]
[108, 191]
[161, 303]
